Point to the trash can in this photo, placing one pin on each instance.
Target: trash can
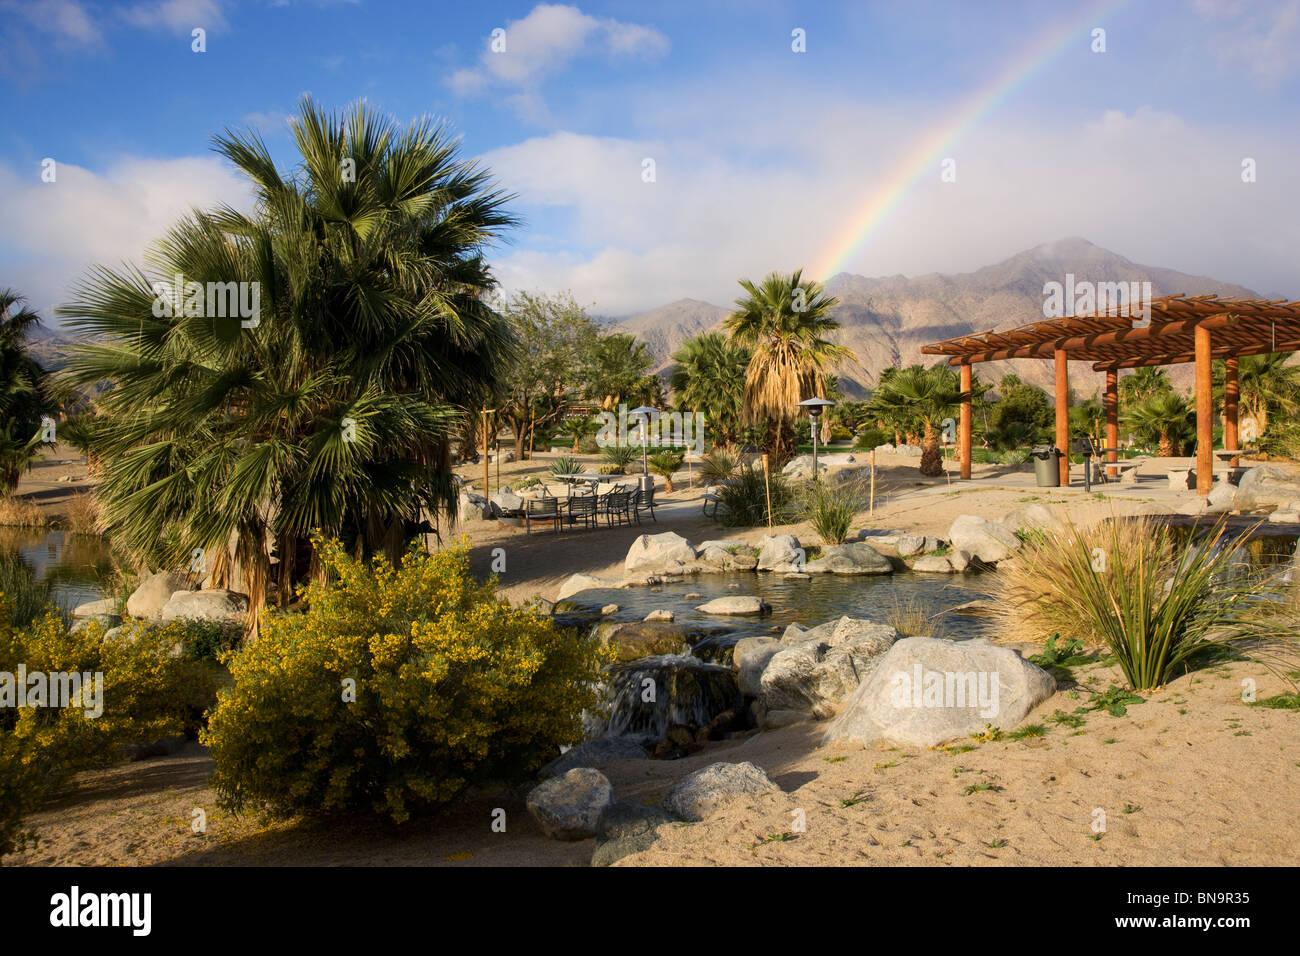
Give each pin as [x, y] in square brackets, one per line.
[1047, 466]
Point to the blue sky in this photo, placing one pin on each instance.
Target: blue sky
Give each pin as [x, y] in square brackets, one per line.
[763, 156]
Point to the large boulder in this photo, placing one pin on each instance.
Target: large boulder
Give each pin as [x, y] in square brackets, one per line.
[780, 552]
[855, 558]
[666, 553]
[888, 449]
[507, 502]
[1033, 517]
[987, 541]
[926, 691]
[594, 753]
[749, 657]
[568, 806]
[105, 607]
[701, 794]
[820, 667]
[1268, 486]
[473, 507]
[741, 604]
[216, 604]
[154, 592]
[627, 828]
[577, 583]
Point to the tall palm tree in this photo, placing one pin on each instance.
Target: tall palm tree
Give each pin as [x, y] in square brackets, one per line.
[24, 390]
[333, 410]
[709, 378]
[924, 396]
[786, 322]
[1164, 419]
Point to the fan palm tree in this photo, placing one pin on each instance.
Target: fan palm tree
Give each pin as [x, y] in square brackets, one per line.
[665, 463]
[924, 396]
[23, 389]
[333, 410]
[1164, 419]
[710, 377]
[786, 322]
[1267, 386]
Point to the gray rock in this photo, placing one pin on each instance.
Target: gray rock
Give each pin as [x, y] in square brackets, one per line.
[1270, 485]
[609, 609]
[797, 576]
[723, 544]
[216, 604]
[633, 640]
[776, 719]
[959, 560]
[701, 794]
[910, 544]
[474, 507]
[1222, 497]
[986, 540]
[506, 500]
[577, 583]
[661, 614]
[1038, 517]
[666, 553]
[750, 657]
[568, 807]
[855, 558]
[739, 604]
[108, 606]
[948, 703]
[780, 552]
[106, 622]
[934, 564]
[1284, 517]
[154, 592]
[594, 753]
[821, 666]
[627, 828]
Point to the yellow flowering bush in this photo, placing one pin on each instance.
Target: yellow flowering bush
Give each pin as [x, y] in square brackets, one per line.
[397, 689]
[148, 692]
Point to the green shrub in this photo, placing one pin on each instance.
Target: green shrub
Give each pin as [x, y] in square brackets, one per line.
[148, 693]
[665, 464]
[452, 688]
[611, 469]
[529, 482]
[831, 510]
[28, 597]
[839, 433]
[743, 502]
[1016, 456]
[870, 437]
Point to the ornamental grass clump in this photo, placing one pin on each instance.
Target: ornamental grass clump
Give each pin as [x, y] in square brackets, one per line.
[1156, 600]
[395, 691]
[831, 510]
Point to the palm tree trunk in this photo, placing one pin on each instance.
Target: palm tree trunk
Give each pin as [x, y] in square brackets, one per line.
[931, 457]
[1166, 446]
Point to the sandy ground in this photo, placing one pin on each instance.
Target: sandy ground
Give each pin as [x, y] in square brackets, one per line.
[1192, 776]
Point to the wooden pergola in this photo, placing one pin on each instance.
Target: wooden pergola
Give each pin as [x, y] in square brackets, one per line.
[1182, 329]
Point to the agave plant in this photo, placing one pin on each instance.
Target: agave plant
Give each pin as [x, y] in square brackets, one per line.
[620, 455]
[719, 464]
[665, 463]
[565, 465]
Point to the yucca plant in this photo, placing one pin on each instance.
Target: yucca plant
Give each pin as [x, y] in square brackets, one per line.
[744, 502]
[1154, 600]
[565, 465]
[719, 464]
[665, 463]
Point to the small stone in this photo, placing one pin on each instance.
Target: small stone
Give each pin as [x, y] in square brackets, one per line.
[609, 609]
[661, 615]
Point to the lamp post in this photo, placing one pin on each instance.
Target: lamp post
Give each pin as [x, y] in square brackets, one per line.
[644, 411]
[815, 408]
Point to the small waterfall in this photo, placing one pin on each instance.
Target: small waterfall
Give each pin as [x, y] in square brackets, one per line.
[646, 696]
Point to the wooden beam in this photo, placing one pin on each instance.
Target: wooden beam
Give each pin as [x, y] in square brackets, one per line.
[1091, 340]
[1225, 352]
[1063, 414]
[1204, 415]
[964, 433]
[1231, 399]
[1111, 405]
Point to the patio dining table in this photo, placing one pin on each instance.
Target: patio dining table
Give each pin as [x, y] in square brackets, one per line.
[593, 480]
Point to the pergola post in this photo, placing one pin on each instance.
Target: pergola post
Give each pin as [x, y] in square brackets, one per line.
[1204, 414]
[1111, 405]
[1063, 415]
[1231, 394]
[963, 435]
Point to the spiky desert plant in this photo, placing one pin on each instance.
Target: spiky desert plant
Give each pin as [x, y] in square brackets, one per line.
[719, 464]
[1155, 600]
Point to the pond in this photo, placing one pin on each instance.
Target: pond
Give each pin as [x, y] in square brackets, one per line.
[825, 597]
[77, 567]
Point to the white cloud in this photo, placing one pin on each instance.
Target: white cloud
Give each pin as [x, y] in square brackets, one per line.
[1261, 36]
[1146, 184]
[67, 20]
[547, 40]
[86, 218]
[176, 16]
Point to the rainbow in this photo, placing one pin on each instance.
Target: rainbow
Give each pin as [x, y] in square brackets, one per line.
[925, 158]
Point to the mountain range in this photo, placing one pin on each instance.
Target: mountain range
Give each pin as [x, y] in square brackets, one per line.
[885, 321]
